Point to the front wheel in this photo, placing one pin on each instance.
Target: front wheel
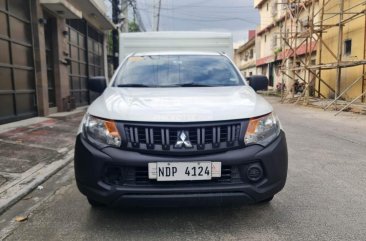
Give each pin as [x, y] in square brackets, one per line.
[94, 203]
[268, 200]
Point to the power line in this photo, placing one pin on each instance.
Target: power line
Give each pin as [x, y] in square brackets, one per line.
[148, 19]
[221, 17]
[205, 6]
[137, 15]
[205, 19]
[156, 15]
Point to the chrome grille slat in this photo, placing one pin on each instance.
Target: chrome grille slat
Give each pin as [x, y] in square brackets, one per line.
[151, 136]
[218, 134]
[136, 135]
[131, 135]
[198, 136]
[229, 133]
[167, 137]
[163, 136]
[147, 135]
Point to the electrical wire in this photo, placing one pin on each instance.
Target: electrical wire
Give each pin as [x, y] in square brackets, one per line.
[205, 19]
[136, 11]
[199, 5]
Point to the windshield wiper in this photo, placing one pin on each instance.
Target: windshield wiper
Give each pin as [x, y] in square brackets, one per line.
[193, 85]
[177, 85]
[134, 85]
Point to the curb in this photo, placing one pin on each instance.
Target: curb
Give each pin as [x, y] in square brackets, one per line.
[23, 187]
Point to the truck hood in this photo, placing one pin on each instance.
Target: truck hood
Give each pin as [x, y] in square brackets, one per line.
[179, 104]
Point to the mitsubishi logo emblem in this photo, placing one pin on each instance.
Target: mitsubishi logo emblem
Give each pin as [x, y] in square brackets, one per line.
[183, 140]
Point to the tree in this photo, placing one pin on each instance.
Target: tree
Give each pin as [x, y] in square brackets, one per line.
[133, 27]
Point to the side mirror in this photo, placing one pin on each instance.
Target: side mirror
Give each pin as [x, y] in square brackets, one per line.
[97, 84]
[258, 82]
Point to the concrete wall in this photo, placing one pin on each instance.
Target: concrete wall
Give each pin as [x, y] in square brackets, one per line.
[249, 71]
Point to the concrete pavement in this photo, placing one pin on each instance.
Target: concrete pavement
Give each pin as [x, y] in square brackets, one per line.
[324, 198]
[33, 150]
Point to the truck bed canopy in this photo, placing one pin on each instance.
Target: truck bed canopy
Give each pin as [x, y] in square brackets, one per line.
[175, 41]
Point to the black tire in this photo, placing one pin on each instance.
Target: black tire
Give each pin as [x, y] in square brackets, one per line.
[268, 200]
[95, 204]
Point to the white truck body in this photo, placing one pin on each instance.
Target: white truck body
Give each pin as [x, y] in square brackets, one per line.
[175, 41]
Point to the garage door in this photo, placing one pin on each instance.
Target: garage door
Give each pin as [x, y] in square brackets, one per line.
[86, 53]
[95, 52]
[95, 56]
[78, 67]
[17, 77]
[49, 59]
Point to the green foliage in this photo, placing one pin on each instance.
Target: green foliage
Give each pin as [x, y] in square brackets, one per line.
[110, 42]
[133, 27]
[278, 50]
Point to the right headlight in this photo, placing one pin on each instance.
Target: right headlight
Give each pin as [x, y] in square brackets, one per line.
[102, 131]
[262, 130]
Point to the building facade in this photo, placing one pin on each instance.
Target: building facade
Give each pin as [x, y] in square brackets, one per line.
[353, 49]
[49, 48]
[245, 56]
[274, 38]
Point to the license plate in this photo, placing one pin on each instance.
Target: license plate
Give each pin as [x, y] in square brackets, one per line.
[184, 171]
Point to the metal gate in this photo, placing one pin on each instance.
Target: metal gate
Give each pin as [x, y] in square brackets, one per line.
[95, 52]
[49, 59]
[86, 53]
[17, 77]
[95, 56]
[78, 67]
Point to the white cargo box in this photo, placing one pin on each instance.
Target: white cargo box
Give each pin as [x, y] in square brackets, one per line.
[175, 41]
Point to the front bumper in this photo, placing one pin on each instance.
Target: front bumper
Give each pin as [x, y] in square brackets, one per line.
[91, 165]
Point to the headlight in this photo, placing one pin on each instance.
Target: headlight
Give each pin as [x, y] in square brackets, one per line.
[262, 130]
[102, 131]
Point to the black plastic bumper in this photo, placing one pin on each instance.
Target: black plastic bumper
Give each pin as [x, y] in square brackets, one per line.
[90, 164]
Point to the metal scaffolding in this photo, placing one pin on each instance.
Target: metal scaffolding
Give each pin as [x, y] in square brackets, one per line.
[302, 28]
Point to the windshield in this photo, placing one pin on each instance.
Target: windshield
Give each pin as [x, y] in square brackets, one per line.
[177, 71]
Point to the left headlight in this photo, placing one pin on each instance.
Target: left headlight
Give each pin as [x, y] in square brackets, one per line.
[102, 131]
[262, 130]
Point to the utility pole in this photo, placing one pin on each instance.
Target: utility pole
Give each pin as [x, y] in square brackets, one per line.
[124, 9]
[115, 17]
[119, 15]
[156, 15]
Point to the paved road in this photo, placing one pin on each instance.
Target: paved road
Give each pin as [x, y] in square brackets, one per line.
[324, 198]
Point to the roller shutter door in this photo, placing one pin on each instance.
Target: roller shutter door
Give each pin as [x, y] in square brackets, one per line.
[17, 76]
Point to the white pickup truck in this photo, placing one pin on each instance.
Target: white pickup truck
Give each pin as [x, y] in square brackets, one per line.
[178, 127]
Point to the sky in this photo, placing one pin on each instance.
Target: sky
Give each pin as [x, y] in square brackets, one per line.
[235, 16]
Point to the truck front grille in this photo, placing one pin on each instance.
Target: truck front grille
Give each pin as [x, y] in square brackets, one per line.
[198, 137]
